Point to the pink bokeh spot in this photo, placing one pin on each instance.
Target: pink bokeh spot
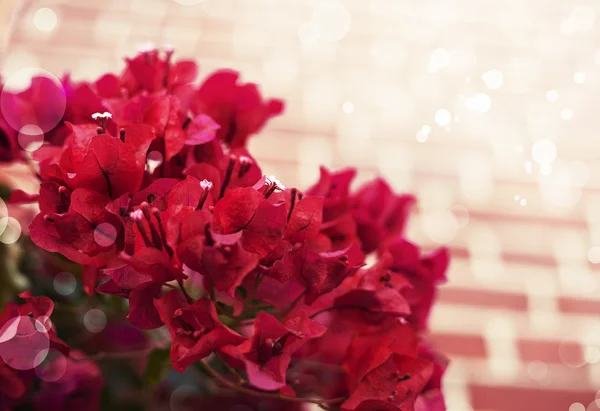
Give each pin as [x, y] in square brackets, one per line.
[24, 343]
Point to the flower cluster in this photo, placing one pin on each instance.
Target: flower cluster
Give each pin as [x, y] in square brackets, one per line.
[147, 183]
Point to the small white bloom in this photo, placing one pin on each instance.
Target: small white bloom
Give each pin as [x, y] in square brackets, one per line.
[137, 215]
[206, 185]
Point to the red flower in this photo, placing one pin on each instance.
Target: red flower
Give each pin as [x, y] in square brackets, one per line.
[384, 371]
[393, 385]
[424, 273]
[38, 331]
[195, 328]
[227, 266]
[432, 397]
[79, 388]
[268, 354]
[41, 105]
[149, 72]
[9, 148]
[365, 294]
[320, 273]
[245, 210]
[198, 205]
[13, 387]
[335, 188]
[238, 109]
[87, 233]
[379, 213]
[304, 218]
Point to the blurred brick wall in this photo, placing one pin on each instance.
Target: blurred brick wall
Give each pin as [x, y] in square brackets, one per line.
[445, 98]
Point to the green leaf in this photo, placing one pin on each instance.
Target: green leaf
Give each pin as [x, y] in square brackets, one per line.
[227, 320]
[241, 291]
[158, 364]
[224, 308]
[4, 192]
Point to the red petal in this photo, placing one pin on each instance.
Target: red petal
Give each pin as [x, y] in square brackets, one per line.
[127, 278]
[228, 271]
[142, 312]
[158, 189]
[305, 220]
[318, 274]
[235, 210]
[265, 230]
[205, 171]
[89, 277]
[201, 129]
[185, 193]
[44, 234]
[151, 261]
[21, 197]
[118, 165]
[182, 72]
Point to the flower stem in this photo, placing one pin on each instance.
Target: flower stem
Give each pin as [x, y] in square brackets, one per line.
[241, 380]
[262, 394]
[184, 291]
[102, 355]
[292, 305]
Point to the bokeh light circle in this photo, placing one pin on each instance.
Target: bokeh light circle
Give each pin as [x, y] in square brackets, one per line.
[22, 345]
[593, 406]
[65, 283]
[443, 117]
[576, 406]
[53, 368]
[30, 137]
[579, 172]
[440, 226]
[105, 234]
[592, 354]
[480, 103]
[154, 160]
[493, 79]
[332, 19]
[3, 214]
[571, 355]
[45, 19]
[557, 188]
[537, 370]
[543, 151]
[182, 398]
[94, 320]
[43, 324]
[33, 96]
[10, 230]
[461, 213]
[308, 33]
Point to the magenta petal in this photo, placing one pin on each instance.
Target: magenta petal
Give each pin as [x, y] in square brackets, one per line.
[201, 129]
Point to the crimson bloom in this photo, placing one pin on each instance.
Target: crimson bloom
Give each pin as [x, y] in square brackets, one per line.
[148, 185]
[78, 388]
[380, 214]
[195, 329]
[13, 387]
[424, 273]
[385, 371]
[9, 148]
[268, 353]
[237, 108]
